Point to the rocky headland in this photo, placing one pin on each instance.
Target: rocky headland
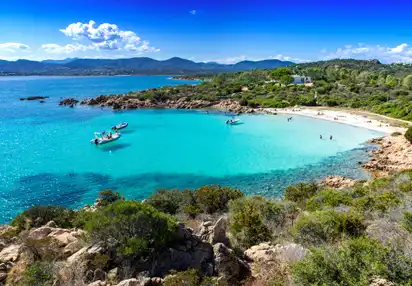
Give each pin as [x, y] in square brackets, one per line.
[393, 155]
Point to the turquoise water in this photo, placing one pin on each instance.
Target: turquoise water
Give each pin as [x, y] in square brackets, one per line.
[47, 157]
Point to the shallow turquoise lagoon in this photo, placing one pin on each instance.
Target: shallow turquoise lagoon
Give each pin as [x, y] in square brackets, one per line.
[47, 157]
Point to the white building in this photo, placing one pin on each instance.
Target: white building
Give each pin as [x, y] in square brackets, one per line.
[297, 79]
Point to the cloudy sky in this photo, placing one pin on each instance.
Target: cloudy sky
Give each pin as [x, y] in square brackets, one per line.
[225, 31]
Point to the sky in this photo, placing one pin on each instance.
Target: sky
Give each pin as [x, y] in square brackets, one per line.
[225, 31]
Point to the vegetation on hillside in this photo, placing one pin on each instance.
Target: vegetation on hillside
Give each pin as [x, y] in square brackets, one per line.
[366, 85]
[353, 235]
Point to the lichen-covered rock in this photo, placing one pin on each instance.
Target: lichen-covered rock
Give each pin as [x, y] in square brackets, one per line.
[377, 281]
[97, 283]
[338, 182]
[287, 252]
[130, 282]
[228, 266]
[10, 253]
[389, 232]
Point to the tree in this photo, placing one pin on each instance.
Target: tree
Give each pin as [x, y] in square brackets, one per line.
[391, 81]
[286, 79]
[278, 73]
[407, 82]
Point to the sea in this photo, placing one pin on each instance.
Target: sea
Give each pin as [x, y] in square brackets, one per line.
[47, 157]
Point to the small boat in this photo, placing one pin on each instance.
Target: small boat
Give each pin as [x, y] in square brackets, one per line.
[120, 126]
[234, 121]
[100, 138]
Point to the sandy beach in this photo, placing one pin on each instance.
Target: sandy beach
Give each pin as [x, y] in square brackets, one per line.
[355, 118]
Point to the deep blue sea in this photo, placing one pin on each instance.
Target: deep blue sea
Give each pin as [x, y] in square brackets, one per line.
[47, 158]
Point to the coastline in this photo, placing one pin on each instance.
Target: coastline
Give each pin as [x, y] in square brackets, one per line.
[339, 115]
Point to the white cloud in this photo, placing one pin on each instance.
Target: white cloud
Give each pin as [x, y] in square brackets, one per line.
[400, 53]
[66, 49]
[107, 37]
[290, 59]
[13, 47]
[193, 12]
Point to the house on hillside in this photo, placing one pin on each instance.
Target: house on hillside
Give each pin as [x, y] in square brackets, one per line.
[297, 79]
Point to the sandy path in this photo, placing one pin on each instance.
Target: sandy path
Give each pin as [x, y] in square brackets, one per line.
[355, 118]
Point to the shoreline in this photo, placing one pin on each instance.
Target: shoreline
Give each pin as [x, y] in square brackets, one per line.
[356, 118]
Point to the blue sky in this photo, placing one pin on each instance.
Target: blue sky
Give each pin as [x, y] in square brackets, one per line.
[225, 31]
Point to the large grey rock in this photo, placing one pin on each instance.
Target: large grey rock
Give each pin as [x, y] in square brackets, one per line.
[287, 252]
[219, 232]
[228, 266]
[10, 253]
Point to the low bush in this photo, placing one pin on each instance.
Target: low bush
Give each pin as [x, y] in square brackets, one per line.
[38, 274]
[254, 219]
[301, 192]
[247, 223]
[136, 229]
[407, 221]
[327, 226]
[109, 196]
[328, 198]
[187, 278]
[215, 198]
[354, 263]
[376, 202]
[408, 134]
[40, 215]
[208, 199]
[396, 134]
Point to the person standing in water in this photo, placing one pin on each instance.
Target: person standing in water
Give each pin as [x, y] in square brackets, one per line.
[331, 137]
[321, 137]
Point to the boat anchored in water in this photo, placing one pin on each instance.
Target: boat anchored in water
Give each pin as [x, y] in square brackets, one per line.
[234, 121]
[103, 138]
[120, 126]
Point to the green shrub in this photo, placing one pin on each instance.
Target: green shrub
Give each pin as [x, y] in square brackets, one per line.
[328, 198]
[109, 196]
[301, 192]
[396, 134]
[136, 229]
[408, 134]
[207, 199]
[322, 227]
[167, 201]
[38, 274]
[247, 222]
[407, 221]
[40, 215]
[354, 263]
[243, 102]
[377, 202]
[215, 198]
[186, 278]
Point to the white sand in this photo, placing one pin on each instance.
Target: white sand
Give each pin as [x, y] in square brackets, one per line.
[342, 117]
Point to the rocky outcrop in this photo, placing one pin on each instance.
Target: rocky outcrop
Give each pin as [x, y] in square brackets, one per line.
[34, 98]
[394, 155]
[287, 252]
[377, 281]
[228, 266]
[214, 233]
[124, 101]
[5, 267]
[68, 102]
[10, 253]
[338, 182]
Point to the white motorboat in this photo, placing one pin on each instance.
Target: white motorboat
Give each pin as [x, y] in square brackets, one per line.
[103, 138]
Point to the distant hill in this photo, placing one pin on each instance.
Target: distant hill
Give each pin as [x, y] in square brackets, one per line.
[132, 66]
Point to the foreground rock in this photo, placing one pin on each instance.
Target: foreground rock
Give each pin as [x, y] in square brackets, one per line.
[338, 182]
[34, 98]
[394, 155]
[123, 101]
[228, 266]
[268, 261]
[215, 233]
